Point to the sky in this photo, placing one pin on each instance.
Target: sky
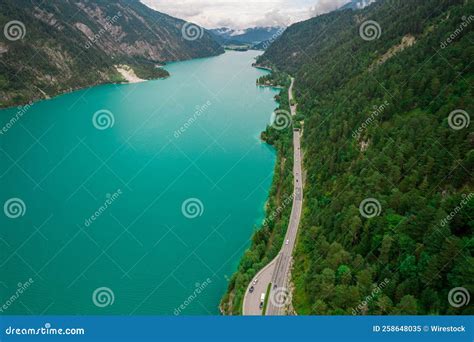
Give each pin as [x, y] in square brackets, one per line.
[244, 13]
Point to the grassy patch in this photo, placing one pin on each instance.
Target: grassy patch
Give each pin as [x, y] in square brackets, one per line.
[265, 302]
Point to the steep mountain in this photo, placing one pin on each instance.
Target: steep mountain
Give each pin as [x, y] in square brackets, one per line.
[252, 35]
[52, 47]
[386, 97]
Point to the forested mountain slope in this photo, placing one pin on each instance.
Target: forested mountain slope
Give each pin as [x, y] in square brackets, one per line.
[387, 96]
[48, 47]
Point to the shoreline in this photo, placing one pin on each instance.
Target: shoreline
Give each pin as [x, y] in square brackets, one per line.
[271, 86]
[267, 234]
[263, 67]
[36, 99]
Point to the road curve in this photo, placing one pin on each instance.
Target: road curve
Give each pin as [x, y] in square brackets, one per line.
[277, 271]
[251, 305]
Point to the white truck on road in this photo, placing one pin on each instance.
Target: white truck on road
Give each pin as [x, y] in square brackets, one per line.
[262, 300]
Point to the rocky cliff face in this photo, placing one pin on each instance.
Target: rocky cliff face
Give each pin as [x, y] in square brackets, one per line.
[52, 47]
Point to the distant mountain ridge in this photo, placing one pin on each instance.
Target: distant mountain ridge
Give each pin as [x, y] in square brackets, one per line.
[71, 44]
[358, 4]
[253, 35]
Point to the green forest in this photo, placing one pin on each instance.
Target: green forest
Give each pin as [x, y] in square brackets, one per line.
[386, 120]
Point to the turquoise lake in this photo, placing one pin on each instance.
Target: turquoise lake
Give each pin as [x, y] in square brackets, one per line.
[145, 208]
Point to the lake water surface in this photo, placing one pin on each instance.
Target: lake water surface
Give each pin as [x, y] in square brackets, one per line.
[146, 208]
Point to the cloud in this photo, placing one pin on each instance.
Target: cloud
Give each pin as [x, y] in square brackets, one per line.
[325, 6]
[240, 14]
[274, 18]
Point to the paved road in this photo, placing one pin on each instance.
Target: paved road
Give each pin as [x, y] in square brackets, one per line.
[252, 299]
[277, 271]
